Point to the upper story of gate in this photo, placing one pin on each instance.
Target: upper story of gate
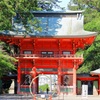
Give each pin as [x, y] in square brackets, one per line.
[59, 33]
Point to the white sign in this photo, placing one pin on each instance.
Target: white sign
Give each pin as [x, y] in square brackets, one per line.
[42, 96]
[84, 90]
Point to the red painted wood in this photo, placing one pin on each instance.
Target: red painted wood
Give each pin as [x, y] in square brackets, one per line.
[87, 78]
[37, 45]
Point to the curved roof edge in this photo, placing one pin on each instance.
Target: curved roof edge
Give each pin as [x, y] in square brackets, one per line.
[66, 12]
[13, 34]
[95, 72]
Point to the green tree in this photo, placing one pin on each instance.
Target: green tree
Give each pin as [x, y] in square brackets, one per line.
[91, 57]
[43, 87]
[92, 23]
[48, 4]
[7, 63]
[22, 9]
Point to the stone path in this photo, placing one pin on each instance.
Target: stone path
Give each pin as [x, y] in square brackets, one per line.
[66, 97]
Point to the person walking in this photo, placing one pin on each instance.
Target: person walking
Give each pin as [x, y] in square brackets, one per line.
[47, 90]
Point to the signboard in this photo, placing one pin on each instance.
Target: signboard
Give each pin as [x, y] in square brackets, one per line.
[42, 96]
[84, 90]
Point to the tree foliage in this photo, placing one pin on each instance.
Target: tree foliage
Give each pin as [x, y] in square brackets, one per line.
[91, 57]
[92, 23]
[84, 4]
[7, 63]
[22, 11]
[11, 8]
[43, 87]
[48, 5]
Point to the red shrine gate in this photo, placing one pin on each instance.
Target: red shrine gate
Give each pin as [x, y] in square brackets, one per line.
[54, 54]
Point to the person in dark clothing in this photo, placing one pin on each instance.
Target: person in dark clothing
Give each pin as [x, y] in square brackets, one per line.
[47, 90]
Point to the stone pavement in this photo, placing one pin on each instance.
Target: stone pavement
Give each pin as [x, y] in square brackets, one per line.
[62, 97]
[77, 98]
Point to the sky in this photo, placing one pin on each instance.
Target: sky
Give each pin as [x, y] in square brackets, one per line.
[63, 3]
